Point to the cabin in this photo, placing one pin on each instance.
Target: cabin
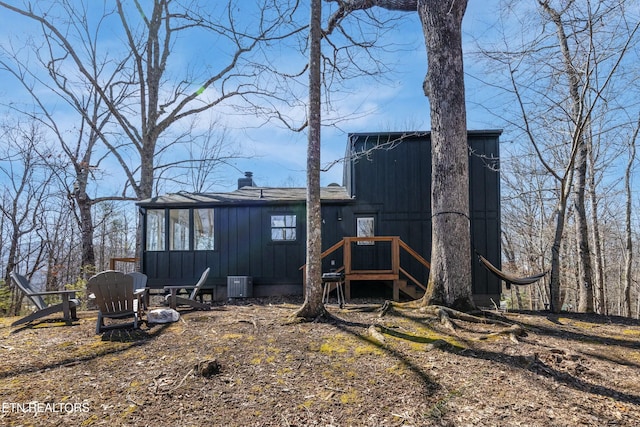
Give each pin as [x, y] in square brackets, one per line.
[376, 226]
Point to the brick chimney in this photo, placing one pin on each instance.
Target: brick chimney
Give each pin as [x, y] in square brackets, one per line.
[247, 181]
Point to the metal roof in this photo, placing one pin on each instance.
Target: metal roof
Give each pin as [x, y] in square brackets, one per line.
[246, 195]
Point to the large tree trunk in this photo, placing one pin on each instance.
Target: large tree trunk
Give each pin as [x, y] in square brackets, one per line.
[84, 203]
[578, 142]
[555, 299]
[450, 276]
[600, 303]
[585, 271]
[313, 305]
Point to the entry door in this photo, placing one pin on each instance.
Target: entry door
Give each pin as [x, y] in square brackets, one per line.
[365, 254]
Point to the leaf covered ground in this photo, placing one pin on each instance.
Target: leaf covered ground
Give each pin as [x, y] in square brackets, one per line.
[246, 364]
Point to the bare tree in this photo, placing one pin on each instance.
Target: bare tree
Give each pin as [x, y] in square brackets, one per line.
[207, 152]
[561, 78]
[313, 305]
[581, 155]
[450, 275]
[326, 71]
[78, 146]
[626, 295]
[25, 191]
[525, 213]
[148, 98]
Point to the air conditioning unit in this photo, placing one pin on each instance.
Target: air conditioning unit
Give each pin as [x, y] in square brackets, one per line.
[239, 287]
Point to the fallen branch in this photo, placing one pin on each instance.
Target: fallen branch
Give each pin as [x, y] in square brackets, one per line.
[252, 321]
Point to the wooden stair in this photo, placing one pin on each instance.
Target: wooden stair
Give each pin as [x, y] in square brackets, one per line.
[409, 290]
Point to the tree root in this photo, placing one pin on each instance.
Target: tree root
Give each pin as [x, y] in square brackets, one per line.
[514, 331]
[302, 315]
[375, 335]
[446, 315]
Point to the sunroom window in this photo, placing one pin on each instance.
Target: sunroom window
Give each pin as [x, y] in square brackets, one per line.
[179, 229]
[203, 231]
[155, 230]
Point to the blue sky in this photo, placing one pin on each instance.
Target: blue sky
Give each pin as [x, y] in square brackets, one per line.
[395, 103]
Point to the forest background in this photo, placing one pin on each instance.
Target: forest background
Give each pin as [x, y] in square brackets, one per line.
[221, 89]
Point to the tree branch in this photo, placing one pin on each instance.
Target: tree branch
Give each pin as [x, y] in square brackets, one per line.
[348, 6]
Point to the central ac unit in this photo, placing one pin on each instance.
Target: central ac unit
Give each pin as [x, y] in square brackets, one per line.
[239, 287]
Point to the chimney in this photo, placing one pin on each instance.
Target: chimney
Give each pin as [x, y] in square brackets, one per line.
[247, 181]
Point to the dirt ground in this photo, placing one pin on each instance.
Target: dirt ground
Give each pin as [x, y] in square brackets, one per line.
[245, 364]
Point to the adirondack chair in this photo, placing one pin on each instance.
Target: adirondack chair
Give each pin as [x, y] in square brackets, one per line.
[140, 288]
[173, 299]
[114, 296]
[67, 306]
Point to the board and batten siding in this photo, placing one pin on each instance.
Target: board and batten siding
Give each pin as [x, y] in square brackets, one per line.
[392, 186]
[243, 247]
[393, 182]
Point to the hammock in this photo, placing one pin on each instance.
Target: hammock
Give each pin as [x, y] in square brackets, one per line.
[508, 278]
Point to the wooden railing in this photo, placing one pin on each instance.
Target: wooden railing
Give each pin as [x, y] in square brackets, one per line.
[394, 273]
[113, 261]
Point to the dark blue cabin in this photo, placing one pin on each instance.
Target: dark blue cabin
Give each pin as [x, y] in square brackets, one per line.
[260, 232]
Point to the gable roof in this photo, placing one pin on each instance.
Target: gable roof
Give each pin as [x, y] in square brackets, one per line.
[247, 195]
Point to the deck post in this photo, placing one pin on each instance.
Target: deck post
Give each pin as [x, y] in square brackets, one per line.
[396, 290]
[395, 255]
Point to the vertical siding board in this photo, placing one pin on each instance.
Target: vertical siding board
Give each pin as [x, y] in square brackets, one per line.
[268, 256]
[268, 261]
[234, 223]
[151, 265]
[425, 177]
[479, 242]
[175, 269]
[256, 244]
[200, 262]
[243, 241]
[279, 259]
[163, 265]
[213, 261]
[188, 264]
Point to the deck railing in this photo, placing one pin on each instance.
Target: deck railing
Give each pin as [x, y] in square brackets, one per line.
[394, 274]
[127, 260]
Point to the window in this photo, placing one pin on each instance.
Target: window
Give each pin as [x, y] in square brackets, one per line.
[155, 230]
[189, 229]
[283, 228]
[365, 228]
[179, 229]
[203, 235]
